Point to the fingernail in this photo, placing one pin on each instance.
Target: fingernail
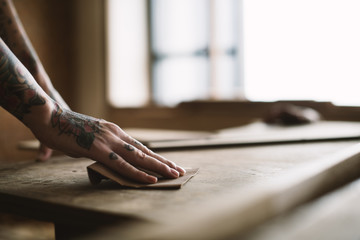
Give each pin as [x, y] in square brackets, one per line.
[152, 179]
[181, 170]
[174, 172]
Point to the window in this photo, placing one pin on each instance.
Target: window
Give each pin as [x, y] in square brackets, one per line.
[178, 49]
[306, 49]
[194, 50]
[168, 51]
[127, 51]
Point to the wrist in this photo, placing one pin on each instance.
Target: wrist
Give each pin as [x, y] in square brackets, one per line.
[42, 78]
[44, 81]
[38, 120]
[67, 131]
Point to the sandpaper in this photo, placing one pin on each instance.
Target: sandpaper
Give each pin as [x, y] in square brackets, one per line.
[97, 172]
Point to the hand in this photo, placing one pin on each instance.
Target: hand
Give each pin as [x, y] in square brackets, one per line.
[75, 134]
[83, 136]
[44, 153]
[130, 158]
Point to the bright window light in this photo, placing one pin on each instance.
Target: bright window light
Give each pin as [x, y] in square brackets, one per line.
[308, 49]
[269, 50]
[179, 30]
[127, 53]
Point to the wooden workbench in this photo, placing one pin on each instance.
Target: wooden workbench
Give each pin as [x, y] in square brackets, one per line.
[59, 190]
[331, 217]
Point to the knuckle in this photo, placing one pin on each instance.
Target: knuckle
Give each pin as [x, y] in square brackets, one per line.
[121, 164]
[139, 174]
[171, 164]
[113, 127]
[140, 155]
[147, 150]
[163, 167]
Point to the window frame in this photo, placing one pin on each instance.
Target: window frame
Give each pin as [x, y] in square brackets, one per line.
[179, 117]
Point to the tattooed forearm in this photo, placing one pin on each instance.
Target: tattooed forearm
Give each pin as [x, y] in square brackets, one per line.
[17, 92]
[82, 127]
[6, 22]
[13, 34]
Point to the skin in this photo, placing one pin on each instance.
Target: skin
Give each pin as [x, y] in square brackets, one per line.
[13, 34]
[75, 134]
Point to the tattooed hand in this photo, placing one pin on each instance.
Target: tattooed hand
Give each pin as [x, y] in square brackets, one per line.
[107, 143]
[73, 133]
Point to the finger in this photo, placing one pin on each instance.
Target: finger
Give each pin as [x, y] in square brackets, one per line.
[141, 160]
[44, 153]
[125, 169]
[147, 151]
[181, 170]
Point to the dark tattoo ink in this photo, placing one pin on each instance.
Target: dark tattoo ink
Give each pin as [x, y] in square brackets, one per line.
[82, 127]
[113, 156]
[5, 20]
[136, 142]
[10, 32]
[18, 94]
[129, 147]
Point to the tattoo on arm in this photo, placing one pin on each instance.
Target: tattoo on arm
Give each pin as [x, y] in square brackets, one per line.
[82, 127]
[18, 93]
[13, 34]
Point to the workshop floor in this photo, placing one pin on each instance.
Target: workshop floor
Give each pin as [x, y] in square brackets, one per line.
[19, 228]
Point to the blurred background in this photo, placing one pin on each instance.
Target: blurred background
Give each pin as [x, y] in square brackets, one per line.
[193, 64]
[232, 49]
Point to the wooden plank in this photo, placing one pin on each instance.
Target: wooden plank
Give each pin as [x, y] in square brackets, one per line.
[331, 217]
[231, 215]
[259, 133]
[59, 190]
[256, 133]
[145, 135]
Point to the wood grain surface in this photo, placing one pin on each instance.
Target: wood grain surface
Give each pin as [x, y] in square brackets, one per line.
[60, 191]
[331, 217]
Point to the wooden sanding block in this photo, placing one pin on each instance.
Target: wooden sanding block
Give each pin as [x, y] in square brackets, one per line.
[97, 172]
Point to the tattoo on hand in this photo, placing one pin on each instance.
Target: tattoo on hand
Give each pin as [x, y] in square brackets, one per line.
[17, 92]
[136, 142]
[113, 156]
[81, 126]
[129, 147]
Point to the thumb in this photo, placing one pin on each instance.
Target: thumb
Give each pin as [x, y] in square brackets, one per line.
[44, 153]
